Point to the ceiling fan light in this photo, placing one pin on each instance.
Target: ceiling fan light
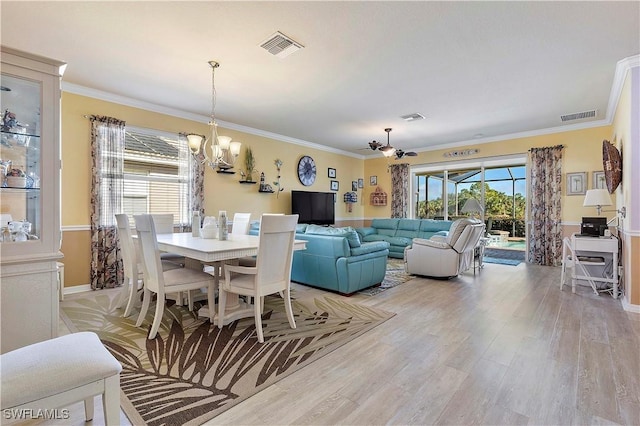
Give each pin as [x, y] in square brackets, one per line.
[388, 151]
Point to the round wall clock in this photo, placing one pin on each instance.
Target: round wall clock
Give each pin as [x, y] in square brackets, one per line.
[306, 170]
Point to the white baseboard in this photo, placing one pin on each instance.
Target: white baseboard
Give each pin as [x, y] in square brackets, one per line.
[77, 289]
[629, 307]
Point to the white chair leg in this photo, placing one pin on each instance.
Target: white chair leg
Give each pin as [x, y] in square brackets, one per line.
[222, 303]
[190, 300]
[124, 293]
[258, 317]
[157, 318]
[111, 400]
[88, 408]
[288, 309]
[146, 300]
[133, 298]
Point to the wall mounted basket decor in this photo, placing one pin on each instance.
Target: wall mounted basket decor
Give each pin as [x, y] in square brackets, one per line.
[378, 197]
[612, 163]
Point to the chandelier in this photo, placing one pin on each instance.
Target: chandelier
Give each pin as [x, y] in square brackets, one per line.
[218, 151]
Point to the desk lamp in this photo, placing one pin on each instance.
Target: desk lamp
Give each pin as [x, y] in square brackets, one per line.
[598, 198]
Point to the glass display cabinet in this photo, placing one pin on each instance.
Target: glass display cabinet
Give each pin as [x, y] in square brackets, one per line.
[30, 166]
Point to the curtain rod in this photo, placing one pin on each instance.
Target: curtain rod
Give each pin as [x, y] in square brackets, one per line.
[555, 146]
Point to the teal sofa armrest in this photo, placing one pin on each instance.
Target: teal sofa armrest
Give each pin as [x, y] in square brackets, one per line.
[370, 247]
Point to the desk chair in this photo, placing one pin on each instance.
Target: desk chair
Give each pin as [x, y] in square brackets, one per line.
[270, 275]
[571, 260]
[162, 282]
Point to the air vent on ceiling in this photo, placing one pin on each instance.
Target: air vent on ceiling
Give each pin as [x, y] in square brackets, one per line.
[280, 45]
[579, 115]
[412, 117]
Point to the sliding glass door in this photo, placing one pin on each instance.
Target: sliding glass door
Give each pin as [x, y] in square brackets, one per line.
[498, 185]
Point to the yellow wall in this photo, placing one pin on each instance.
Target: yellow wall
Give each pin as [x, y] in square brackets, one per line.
[582, 153]
[622, 138]
[222, 192]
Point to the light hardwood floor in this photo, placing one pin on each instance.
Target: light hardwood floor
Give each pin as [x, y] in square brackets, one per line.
[503, 347]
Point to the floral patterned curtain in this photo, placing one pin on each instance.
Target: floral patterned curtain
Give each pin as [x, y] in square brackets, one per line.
[399, 190]
[107, 177]
[196, 178]
[545, 236]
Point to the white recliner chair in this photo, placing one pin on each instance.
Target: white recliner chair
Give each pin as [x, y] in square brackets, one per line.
[445, 257]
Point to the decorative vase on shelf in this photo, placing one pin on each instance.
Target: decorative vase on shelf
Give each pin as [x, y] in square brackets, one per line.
[249, 164]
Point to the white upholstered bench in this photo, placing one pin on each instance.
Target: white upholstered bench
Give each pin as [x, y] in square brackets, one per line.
[59, 372]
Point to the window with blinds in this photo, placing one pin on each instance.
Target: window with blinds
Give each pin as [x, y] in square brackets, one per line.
[156, 175]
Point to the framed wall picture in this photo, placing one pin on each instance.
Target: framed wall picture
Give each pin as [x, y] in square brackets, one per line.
[598, 180]
[360, 183]
[335, 185]
[354, 185]
[373, 180]
[577, 183]
[331, 172]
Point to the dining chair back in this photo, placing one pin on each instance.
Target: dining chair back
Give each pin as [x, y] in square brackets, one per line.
[162, 282]
[271, 274]
[163, 223]
[132, 271]
[240, 224]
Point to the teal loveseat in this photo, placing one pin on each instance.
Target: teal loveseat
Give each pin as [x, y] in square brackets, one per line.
[335, 259]
[399, 233]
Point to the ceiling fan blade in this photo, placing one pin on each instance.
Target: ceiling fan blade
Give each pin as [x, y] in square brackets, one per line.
[374, 145]
[411, 154]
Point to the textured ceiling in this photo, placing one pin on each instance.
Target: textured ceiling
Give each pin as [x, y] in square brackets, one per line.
[475, 70]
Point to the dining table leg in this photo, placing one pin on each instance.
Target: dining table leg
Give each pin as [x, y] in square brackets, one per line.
[235, 308]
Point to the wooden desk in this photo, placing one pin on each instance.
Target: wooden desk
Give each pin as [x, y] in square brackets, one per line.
[601, 247]
[209, 251]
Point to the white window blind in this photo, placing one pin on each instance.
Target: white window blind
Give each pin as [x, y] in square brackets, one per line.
[156, 175]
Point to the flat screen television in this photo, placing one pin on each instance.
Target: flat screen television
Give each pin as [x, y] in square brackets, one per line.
[314, 207]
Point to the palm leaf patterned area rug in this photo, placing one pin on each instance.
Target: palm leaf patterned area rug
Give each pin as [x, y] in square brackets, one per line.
[192, 371]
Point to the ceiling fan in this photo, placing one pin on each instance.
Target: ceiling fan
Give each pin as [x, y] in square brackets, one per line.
[387, 150]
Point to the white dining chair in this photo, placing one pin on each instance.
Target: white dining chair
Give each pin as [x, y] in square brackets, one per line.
[270, 275]
[162, 282]
[164, 225]
[133, 277]
[240, 224]
[132, 272]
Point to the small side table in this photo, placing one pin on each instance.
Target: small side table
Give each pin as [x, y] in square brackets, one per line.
[478, 253]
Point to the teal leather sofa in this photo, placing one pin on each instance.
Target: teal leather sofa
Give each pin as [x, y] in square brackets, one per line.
[399, 233]
[335, 259]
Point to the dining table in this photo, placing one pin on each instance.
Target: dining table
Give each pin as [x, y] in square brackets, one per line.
[200, 251]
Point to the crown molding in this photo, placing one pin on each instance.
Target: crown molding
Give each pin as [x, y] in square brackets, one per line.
[148, 106]
[527, 134]
[622, 67]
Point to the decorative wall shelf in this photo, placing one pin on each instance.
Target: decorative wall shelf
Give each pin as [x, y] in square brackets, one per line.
[267, 192]
[226, 172]
[248, 181]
